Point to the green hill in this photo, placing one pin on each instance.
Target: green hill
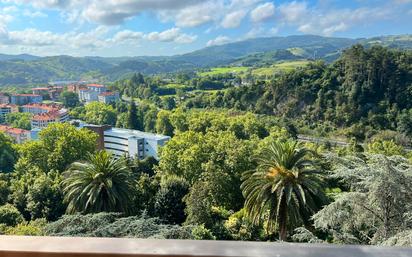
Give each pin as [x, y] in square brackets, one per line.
[260, 52]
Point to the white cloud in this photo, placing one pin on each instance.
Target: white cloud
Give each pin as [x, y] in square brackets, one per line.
[34, 14]
[98, 39]
[233, 19]
[294, 11]
[171, 35]
[10, 8]
[220, 40]
[111, 12]
[328, 21]
[127, 35]
[263, 12]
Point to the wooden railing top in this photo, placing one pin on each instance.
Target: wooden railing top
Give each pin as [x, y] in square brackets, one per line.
[14, 246]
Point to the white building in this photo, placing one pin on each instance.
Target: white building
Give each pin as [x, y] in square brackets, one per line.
[133, 143]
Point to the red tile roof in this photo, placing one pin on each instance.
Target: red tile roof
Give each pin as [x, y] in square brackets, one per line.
[95, 85]
[108, 93]
[11, 130]
[8, 105]
[25, 95]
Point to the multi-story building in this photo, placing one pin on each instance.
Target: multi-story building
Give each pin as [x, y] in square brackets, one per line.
[96, 92]
[40, 108]
[134, 143]
[42, 120]
[22, 99]
[19, 135]
[6, 109]
[51, 92]
[91, 92]
[108, 97]
[4, 99]
[76, 87]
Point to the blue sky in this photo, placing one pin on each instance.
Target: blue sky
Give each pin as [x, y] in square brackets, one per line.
[167, 27]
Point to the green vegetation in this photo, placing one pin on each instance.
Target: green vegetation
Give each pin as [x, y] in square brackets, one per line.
[19, 120]
[285, 189]
[223, 70]
[236, 167]
[101, 184]
[279, 68]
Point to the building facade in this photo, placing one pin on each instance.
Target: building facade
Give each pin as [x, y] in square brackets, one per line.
[22, 99]
[6, 109]
[19, 135]
[108, 97]
[133, 143]
[42, 120]
[4, 99]
[40, 108]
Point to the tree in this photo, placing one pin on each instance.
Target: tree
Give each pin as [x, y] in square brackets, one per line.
[378, 204]
[216, 158]
[100, 114]
[169, 205]
[163, 124]
[101, 184]
[59, 145]
[134, 120]
[285, 188]
[19, 120]
[9, 215]
[69, 99]
[8, 155]
[386, 147]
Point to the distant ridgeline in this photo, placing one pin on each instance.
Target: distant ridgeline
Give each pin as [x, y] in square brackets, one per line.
[28, 69]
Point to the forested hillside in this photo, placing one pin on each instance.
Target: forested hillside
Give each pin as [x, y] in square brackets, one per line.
[366, 88]
[27, 69]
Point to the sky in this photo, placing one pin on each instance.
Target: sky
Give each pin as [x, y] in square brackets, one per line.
[168, 27]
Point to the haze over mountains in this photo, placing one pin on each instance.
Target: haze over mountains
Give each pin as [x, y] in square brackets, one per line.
[24, 68]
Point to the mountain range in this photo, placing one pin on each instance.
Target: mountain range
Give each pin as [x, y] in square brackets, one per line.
[30, 69]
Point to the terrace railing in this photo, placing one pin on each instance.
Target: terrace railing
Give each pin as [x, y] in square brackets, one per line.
[15, 246]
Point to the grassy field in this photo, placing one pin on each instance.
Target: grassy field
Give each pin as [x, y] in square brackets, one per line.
[283, 67]
[223, 70]
[175, 86]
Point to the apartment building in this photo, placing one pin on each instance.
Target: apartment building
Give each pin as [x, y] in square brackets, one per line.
[40, 108]
[19, 135]
[134, 143]
[108, 97]
[6, 109]
[91, 92]
[4, 99]
[42, 120]
[96, 92]
[51, 92]
[22, 99]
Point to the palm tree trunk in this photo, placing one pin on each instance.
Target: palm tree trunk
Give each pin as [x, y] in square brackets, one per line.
[283, 218]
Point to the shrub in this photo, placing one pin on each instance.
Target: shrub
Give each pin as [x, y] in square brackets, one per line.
[10, 216]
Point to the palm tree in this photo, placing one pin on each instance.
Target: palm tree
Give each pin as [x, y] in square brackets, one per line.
[285, 188]
[101, 184]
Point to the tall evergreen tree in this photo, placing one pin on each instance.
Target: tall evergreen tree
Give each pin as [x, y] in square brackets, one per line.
[133, 118]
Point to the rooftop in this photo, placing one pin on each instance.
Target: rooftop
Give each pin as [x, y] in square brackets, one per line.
[95, 85]
[7, 106]
[12, 130]
[137, 133]
[52, 115]
[108, 93]
[25, 95]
